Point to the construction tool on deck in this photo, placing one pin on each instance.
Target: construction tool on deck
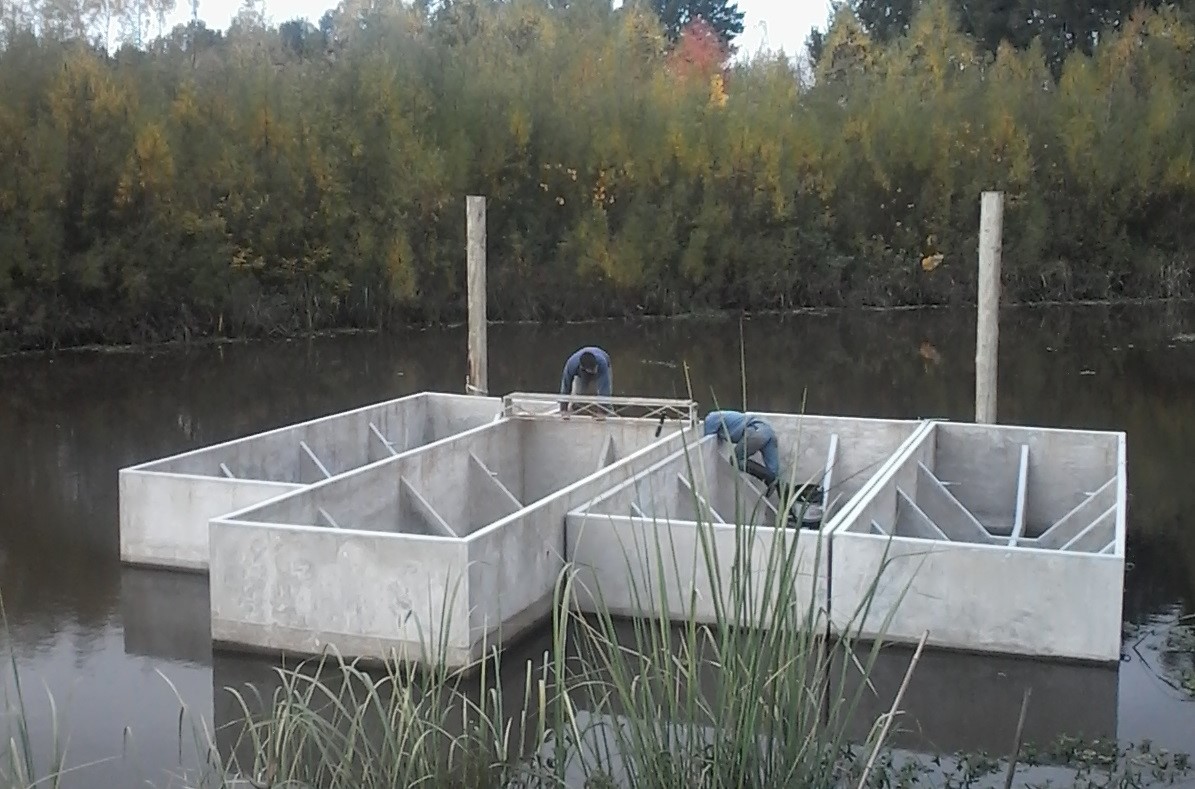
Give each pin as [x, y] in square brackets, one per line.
[805, 502]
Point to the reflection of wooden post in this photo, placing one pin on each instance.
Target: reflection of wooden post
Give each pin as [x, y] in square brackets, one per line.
[987, 328]
[477, 382]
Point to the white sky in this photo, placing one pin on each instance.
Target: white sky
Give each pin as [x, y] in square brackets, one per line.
[770, 24]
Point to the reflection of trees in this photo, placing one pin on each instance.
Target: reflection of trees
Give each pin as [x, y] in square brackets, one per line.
[68, 425]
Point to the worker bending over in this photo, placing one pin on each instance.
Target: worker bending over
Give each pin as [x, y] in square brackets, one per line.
[587, 372]
[750, 436]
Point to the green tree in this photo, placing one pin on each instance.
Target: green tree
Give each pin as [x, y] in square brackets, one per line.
[1062, 25]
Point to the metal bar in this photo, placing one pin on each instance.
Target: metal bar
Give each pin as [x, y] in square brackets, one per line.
[877, 529]
[383, 439]
[227, 473]
[314, 459]
[1018, 523]
[831, 460]
[612, 399]
[635, 508]
[328, 518]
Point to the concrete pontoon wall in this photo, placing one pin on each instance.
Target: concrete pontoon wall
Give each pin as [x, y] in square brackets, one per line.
[165, 504]
[650, 525]
[951, 541]
[662, 555]
[516, 562]
[341, 442]
[667, 490]
[852, 449]
[300, 589]
[485, 492]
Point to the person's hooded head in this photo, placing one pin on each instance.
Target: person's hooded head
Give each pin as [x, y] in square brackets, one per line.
[589, 364]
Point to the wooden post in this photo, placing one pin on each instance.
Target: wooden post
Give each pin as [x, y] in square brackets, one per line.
[478, 380]
[987, 329]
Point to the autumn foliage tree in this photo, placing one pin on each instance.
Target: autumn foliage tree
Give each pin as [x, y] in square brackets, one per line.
[281, 180]
[699, 51]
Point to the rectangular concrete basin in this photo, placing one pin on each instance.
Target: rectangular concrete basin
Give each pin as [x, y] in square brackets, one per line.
[692, 517]
[993, 538]
[434, 555]
[165, 504]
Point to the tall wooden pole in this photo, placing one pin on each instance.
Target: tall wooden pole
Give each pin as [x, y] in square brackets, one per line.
[478, 380]
[987, 329]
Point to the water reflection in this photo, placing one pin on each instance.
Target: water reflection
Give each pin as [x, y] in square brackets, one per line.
[963, 702]
[166, 615]
[68, 423]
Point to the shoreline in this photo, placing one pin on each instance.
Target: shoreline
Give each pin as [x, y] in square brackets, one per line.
[206, 341]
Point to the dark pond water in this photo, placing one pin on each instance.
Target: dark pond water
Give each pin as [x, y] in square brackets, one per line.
[119, 648]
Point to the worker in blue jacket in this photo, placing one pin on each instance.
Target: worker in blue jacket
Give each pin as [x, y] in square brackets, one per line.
[750, 435]
[587, 372]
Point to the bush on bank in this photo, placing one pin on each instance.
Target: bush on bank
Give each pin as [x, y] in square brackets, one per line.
[283, 179]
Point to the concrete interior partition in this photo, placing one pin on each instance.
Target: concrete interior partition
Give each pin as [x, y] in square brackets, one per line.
[165, 504]
[669, 538]
[433, 555]
[993, 538]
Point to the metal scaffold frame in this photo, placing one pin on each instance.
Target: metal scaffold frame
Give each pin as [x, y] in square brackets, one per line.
[538, 404]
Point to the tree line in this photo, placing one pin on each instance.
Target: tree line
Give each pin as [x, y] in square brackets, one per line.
[311, 176]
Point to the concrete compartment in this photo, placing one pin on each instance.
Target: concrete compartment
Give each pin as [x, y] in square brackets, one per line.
[165, 504]
[993, 538]
[691, 516]
[433, 555]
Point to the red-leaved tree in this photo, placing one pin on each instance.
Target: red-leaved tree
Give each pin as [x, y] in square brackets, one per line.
[699, 51]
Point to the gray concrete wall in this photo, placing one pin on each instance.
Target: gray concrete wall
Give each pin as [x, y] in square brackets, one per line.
[1064, 465]
[341, 441]
[670, 560]
[302, 589]
[630, 566]
[878, 502]
[165, 505]
[971, 590]
[656, 490]
[516, 562]
[515, 552]
[164, 517]
[978, 597]
[863, 446]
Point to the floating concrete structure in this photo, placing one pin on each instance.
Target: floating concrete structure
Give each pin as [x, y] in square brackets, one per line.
[433, 526]
[435, 554]
[676, 529]
[165, 504]
[991, 538]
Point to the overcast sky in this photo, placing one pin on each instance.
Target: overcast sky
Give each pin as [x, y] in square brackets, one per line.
[771, 24]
